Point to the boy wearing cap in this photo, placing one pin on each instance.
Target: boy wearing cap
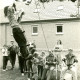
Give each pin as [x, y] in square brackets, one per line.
[41, 64]
[35, 62]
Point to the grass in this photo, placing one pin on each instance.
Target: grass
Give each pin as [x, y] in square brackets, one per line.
[12, 75]
[15, 75]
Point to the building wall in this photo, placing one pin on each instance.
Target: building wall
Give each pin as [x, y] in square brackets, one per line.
[5, 35]
[2, 36]
[70, 37]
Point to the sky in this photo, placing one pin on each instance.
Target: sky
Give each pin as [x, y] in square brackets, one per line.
[4, 3]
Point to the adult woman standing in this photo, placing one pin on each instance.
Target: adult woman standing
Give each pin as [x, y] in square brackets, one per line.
[58, 49]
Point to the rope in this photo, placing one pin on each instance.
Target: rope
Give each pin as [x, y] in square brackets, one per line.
[43, 33]
[42, 28]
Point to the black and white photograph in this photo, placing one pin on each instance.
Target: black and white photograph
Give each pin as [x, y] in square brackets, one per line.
[39, 39]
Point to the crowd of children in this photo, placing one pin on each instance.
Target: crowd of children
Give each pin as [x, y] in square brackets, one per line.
[40, 66]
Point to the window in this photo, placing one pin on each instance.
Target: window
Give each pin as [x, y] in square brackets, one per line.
[20, 0]
[59, 29]
[60, 7]
[24, 0]
[35, 30]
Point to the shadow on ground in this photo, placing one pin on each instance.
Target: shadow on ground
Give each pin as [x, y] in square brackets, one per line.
[12, 75]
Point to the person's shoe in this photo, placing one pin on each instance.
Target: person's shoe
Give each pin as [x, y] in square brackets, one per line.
[25, 71]
[32, 79]
[22, 74]
[39, 79]
[11, 68]
[4, 69]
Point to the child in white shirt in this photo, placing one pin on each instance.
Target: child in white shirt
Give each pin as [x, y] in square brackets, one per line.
[5, 56]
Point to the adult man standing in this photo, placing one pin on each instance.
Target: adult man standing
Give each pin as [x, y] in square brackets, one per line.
[12, 55]
[69, 60]
[50, 61]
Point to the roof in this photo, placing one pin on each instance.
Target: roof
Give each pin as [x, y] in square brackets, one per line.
[47, 11]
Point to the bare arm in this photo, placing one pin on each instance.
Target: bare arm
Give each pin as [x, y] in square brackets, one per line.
[20, 14]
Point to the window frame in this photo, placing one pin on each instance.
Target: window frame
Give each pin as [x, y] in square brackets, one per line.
[57, 28]
[33, 31]
[11, 32]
